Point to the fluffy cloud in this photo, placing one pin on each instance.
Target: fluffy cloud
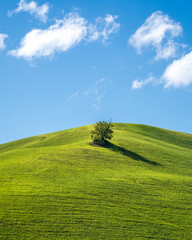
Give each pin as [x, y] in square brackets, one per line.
[61, 36]
[157, 31]
[139, 84]
[179, 73]
[2, 39]
[32, 7]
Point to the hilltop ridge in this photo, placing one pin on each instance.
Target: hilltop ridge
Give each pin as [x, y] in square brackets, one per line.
[58, 186]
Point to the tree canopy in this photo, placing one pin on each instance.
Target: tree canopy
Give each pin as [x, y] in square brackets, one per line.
[102, 132]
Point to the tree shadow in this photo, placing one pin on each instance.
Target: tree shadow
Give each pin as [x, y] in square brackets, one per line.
[130, 154]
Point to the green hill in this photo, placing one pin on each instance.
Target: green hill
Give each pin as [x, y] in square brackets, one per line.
[58, 186]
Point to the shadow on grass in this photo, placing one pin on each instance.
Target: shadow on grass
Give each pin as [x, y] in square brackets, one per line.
[130, 154]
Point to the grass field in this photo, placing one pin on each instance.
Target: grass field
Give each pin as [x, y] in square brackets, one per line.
[58, 186]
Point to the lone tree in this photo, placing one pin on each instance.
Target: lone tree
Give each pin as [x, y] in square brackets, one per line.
[102, 132]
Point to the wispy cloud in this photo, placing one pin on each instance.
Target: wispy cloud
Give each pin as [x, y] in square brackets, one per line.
[74, 95]
[95, 93]
[2, 39]
[60, 37]
[98, 100]
[158, 31]
[179, 72]
[100, 81]
[168, 50]
[103, 28]
[32, 8]
[139, 84]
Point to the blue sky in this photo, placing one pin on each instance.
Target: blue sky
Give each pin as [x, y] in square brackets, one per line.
[65, 64]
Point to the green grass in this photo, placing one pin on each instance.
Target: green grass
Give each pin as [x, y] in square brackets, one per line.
[58, 186]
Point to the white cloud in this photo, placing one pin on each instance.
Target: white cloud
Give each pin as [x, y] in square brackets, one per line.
[157, 31]
[179, 73]
[61, 36]
[100, 81]
[103, 28]
[32, 8]
[139, 84]
[167, 51]
[2, 39]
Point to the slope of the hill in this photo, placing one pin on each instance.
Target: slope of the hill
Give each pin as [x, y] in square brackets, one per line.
[58, 186]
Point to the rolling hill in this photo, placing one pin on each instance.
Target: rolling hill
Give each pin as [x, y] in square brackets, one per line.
[58, 186]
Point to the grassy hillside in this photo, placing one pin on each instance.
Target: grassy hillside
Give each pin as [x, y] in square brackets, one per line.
[58, 186]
